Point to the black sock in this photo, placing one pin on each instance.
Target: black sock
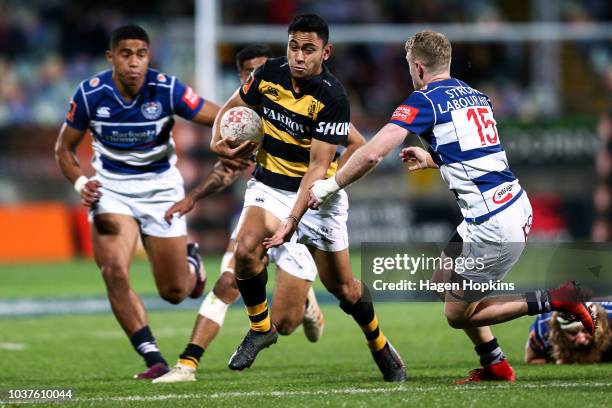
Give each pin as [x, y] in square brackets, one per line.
[363, 313]
[538, 302]
[191, 356]
[253, 291]
[144, 344]
[489, 352]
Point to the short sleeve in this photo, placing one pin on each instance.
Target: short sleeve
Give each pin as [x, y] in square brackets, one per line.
[415, 114]
[333, 122]
[77, 116]
[187, 103]
[249, 90]
[537, 343]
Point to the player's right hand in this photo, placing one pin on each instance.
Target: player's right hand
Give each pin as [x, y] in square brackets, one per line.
[244, 150]
[416, 158]
[180, 207]
[90, 194]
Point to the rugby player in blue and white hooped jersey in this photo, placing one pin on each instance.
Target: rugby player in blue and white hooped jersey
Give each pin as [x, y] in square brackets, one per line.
[457, 121]
[129, 111]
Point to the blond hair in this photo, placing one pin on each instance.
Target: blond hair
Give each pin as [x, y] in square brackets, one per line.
[432, 49]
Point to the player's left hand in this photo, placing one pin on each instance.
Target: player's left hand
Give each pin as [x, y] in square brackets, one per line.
[321, 191]
[180, 207]
[282, 234]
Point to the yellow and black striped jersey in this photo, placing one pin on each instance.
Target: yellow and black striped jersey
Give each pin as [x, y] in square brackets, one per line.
[291, 120]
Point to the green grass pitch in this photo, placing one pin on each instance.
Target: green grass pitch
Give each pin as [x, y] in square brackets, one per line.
[91, 355]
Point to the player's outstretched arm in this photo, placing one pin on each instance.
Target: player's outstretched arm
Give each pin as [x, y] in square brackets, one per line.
[417, 158]
[364, 160]
[354, 141]
[207, 113]
[65, 156]
[220, 146]
[219, 178]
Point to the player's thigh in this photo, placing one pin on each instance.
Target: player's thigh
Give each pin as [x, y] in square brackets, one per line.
[256, 225]
[168, 258]
[456, 310]
[114, 239]
[290, 293]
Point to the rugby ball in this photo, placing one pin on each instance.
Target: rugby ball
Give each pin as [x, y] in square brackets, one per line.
[241, 124]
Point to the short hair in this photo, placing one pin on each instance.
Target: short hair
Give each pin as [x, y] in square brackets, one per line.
[128, 32]
[431, 48]
[310, 23]
[252, 51]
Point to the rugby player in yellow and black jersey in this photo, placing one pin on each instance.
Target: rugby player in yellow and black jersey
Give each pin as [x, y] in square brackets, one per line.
[306, 115]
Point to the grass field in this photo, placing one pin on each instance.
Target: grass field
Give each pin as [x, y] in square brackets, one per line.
[89, 354]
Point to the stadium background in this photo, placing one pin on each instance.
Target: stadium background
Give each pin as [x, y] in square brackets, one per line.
[546, 65]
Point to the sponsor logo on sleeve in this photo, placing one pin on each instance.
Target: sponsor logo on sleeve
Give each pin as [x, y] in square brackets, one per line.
[333, 128]
[405, 113]
[191, 98]
[161, 77]
[93, 82]
[71, 111]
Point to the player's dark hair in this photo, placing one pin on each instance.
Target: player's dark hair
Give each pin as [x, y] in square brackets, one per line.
[128, 32]
[310, 23]
[252, 51]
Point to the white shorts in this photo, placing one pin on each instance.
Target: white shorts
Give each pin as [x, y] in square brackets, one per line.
[145, 199]
[497, 243]
[323, 229]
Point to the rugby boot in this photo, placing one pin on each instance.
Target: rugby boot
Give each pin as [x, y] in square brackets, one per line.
[501, 371]
[252, 344]
[313, 321]
[570, 299]
[178, 373]
[153, 372]
[390, 364]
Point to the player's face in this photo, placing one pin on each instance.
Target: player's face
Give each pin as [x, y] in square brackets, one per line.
[579, 337]
[130, 60]
[306, 54]
[416, 72]
[249, 66]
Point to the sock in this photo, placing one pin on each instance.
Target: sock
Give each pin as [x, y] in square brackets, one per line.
[489, 353]
[144, 344]
[253, 291]
[363, 313]
[191, 356]
[537, 302]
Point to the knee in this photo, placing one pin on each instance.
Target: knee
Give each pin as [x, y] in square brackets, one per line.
[456, 320]
[115, 275]
[172, 294]
[346, 292]
[226, 288]
[245, 253]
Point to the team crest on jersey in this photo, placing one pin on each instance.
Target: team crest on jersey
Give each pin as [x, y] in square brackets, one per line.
[93, 82]
[270, 90]
[151, 110]
[103, 112]
[161, 77]
[405, 113]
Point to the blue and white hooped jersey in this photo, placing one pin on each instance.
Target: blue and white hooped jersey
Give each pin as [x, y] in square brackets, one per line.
[539, 330]
[457, 122]
[132, 139]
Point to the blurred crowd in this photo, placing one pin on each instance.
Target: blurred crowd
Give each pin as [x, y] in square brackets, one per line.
[46, 48]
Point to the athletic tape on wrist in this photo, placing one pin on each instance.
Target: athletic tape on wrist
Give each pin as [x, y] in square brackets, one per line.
[79, 184]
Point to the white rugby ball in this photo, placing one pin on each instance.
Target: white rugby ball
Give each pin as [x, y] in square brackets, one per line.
[240, 124]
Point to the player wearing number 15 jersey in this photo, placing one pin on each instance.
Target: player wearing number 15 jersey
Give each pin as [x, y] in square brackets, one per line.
[458, 124]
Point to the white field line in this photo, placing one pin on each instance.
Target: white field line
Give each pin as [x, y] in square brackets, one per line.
[12, 346]
[339, 391]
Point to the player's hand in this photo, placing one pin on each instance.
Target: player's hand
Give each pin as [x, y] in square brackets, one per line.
[244, 150]
[180, 207]
[90, 194]
[416, 158]
[321, 191]
[282, 234]
[235, 164]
